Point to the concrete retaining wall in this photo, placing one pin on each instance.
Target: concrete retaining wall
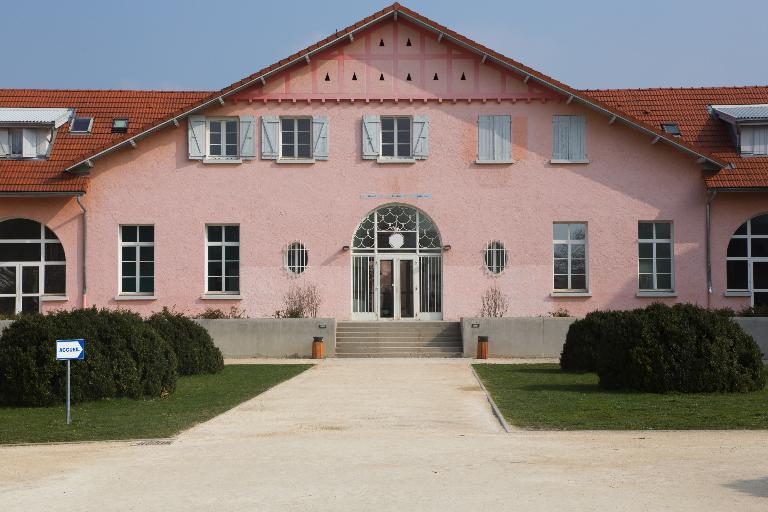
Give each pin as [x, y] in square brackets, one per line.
[758, 329]
[271, 337]
[516, 337]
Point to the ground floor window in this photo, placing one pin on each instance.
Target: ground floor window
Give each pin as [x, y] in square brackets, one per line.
[747, 260]
[32, 264]
[569, 240]
[223, 259]
[654, 244]
[137, 260]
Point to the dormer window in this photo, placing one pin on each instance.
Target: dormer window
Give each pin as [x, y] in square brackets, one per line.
[749, 126]
[671, 128]
[81, 125]
[25, 142]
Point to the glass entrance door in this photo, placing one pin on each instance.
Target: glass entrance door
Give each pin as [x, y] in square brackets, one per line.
[398, 292]
[19, 288]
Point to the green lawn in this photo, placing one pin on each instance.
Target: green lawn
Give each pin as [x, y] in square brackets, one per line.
[197, 398]
[540, 396]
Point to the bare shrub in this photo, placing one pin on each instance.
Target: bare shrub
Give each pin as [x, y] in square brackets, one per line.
[300, 302]
[217, 314]
[494, 303]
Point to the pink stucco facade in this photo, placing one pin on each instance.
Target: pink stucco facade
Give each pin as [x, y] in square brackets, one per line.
[627, 180]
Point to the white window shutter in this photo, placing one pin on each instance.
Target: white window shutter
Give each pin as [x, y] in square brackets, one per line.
[560, 126]
[320, 137]
[5, 143]
[420, 137]
[502, 131]
[485, 138]
[196, 137]
[270, 132]
[44, 136]
[371, 137]
[577, 147]
[29, 143]
[247, 137]
[760, 140]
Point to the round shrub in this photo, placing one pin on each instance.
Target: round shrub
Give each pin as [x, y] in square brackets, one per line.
[683, 348]
[582, 342]
[193, 345]
[124, 357]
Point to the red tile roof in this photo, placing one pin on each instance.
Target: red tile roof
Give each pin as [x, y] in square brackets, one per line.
[142, 108]
[688, 108]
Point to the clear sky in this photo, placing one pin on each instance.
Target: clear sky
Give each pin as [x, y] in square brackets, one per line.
[208, 44]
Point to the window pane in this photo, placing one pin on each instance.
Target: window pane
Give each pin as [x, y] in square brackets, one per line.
[7, 306]
[578, 231]
[129, 254]
[387, 123]
[129, 269]
[646, 266]
[304, 124]
[578, 266]
[129, 233]
[30, 280]
[561, 266]
[760, 225]
[129, 285]
[559, 231]
[303, 138]
[215, 127]
[54, 279]
[214, 252]
[737, 275]
[759, 247]
[664, 281]
[288, 138]
[304, 152]
[579, 282]
[760, 275]
[147, 269]
[214, 284]
[561, 250]
[30, 304]
[146, 233]
[561, 282]
[49, 235]
[664, 266]
[54, 252]
[287, 151]
[645, 282]
[404, 124]
[737, 247]
[404, 149]
[214, 233]
[644, 230]
[387, 137]
[663, 230]
[7, 280]
[19, 229]
[232, 284]
[232, 233]
[231, 149]
[286, 124]
[742, 230]
[232, 268]
[215, 139]
[232, 252]
[214, 268]
[388, 150]
[578, 251]
[147, 253]
[146, 284]
[663, 250]
[19, 252]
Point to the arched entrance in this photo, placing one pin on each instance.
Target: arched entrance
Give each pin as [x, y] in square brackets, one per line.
[747, 260]
[397, 271]
[32, 265]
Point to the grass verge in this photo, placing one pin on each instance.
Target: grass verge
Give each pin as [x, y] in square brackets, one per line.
[197, 398]
[542, 397]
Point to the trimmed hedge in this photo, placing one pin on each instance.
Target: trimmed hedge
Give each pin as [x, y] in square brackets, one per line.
[659, 349]
[193, 345]
[124, 357]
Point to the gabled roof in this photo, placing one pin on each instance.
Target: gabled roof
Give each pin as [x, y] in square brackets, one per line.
[444, 33]
[688, 107]
[142, 108]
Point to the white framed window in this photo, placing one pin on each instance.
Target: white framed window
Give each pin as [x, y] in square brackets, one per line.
[655, 255]
[296, 258]
[569, 140]
[222, 258]
[495, 257]
[296, 137]
[747, 261]
[81, 125]
[754, 140]
[569, 243]
[137, 260]
[223, 137]
[396, 139]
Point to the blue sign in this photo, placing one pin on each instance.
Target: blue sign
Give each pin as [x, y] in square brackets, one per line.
[70, 349]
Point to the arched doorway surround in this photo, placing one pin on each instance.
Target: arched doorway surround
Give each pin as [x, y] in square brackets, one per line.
[747, 260]
[397, 271]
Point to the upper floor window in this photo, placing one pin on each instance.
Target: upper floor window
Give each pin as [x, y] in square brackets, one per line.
[296, 137]
[748, 124]
[569, 241]
[494, 140]
[25, 142]
[395, 138]
[754, 140]
[221, 139]
[81, 125]
[569, 140]
[654, 246]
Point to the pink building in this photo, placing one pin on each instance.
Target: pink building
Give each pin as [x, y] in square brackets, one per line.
[399, 167]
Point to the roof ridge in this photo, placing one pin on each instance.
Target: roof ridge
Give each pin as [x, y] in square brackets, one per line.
[161, 91]
[691, 88]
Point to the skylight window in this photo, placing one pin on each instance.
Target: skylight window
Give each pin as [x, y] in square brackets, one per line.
[671, 128]
[81, 125]
[120, 125]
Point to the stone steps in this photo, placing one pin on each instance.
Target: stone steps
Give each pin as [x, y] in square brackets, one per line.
[398, 339]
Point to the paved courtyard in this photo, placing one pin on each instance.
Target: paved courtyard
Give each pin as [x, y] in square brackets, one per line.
[389, 435]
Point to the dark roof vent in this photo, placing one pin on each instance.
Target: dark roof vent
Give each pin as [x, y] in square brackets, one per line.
[671, 128]
[120, 125]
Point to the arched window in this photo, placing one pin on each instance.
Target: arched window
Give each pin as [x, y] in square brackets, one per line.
[747, 260]
[495, 257]
[32, 264]
[296, 258]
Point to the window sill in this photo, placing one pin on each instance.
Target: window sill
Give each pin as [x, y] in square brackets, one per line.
[135, 297]
[738, 293]
[54, 298]
[656, 293]
[209, 160]
[558, 161]
[295, 161]
[221, 296]
[571, 294]
[494, 162]
[389, 160]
